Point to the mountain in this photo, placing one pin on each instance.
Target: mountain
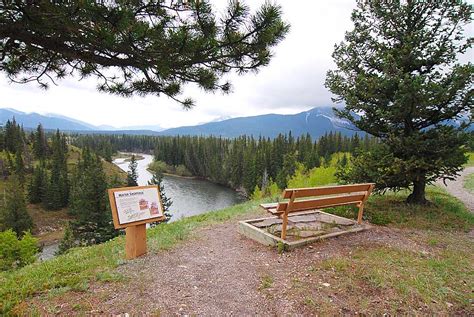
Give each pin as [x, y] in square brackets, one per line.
[316, 122]
[49, 121]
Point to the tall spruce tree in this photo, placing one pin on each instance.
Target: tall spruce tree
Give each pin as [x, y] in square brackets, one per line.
[38, 185]
[57, 193]
[157, 179]
[13, 213]
[399, 71]
[40, 143]
[136, 47]
[132, 174]
[88, 202]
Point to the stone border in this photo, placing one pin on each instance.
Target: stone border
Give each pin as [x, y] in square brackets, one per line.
[247, 229]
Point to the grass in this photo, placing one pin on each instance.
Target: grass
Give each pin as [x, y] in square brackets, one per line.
[266, 282]
[470, 160]
[81, 266]
[443, 213]
[469, 183]
[397, 280]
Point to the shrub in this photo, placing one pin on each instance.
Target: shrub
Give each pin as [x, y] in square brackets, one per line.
[16, 253]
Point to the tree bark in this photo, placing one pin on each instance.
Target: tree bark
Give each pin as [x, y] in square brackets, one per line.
[418, 194]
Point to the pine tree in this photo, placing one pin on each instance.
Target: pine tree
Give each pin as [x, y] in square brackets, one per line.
[151, 47]
[89, 203]
[288, 169]
[132, 174]
[38, 185]
[40, 144]
[399, 71]
[57, 193]
[20, 168]
[13, 213]
[157, 180]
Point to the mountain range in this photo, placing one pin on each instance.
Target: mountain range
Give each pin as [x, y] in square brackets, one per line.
[316, 122]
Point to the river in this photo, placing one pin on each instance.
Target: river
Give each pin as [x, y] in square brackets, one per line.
[190, 196]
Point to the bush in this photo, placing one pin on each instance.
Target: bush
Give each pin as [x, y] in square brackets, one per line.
[317, 176]
[16, 253]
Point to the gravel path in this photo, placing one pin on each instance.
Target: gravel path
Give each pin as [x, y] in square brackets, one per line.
[456, 188]
[222, 273]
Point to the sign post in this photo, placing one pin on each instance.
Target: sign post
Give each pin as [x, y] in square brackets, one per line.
[132, 208]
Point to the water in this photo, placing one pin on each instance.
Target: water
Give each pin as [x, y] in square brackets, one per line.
[190, 196]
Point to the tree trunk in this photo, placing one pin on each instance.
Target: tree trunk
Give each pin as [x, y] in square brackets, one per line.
[418, 194]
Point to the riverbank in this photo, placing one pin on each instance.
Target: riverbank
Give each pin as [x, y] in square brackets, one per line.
[190, 195]
[127, 156]
[419, 262]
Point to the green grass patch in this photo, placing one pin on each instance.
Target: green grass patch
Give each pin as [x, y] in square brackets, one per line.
[443, 213]
[470, 159]
[408, 278]
[80, 266]
[266, 282]
[469, 182]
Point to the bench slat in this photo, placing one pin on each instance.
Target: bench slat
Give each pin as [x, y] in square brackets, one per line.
[327, 190]
[322, 202]
[268, 205]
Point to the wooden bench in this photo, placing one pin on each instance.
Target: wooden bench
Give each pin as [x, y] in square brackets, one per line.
[321, 197]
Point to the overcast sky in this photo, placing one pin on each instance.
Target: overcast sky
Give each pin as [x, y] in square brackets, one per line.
[293, 82]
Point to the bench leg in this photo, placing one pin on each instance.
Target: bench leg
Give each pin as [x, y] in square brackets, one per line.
[284, 225]
[359, 215]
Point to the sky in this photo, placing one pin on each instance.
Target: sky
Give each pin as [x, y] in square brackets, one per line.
[291, 83]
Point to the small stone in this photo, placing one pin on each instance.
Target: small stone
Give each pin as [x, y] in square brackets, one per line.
[449, 305]
[326, 284]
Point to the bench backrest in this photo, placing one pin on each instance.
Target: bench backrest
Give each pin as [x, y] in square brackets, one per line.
[331, 196]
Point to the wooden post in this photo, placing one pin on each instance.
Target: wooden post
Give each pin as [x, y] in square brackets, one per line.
[361, 211]
[135, 241]
[361, 205]
[285, 215]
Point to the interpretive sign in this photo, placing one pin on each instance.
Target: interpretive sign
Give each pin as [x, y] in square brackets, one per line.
[132, 208]
[135, 205]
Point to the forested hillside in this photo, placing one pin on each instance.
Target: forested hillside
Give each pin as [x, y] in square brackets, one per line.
[42, 173]
[241, 163]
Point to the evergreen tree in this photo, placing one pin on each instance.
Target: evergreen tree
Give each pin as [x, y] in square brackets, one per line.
[57, 193]
[89, 202]
[398, 70]
[40, 144]
[288, 169]
[20, 168]
[13, 213]
[151, 47]
[157, 180]
[38, 185]
[132, 174]
[67, 242]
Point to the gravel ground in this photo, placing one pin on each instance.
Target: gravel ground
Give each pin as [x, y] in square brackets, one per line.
[220, 273]
[456, 188]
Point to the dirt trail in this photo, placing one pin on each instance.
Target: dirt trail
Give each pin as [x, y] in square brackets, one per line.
[456, 188]
[222, 273]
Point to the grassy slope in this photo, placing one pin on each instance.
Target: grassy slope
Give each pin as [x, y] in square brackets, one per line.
[444, 276]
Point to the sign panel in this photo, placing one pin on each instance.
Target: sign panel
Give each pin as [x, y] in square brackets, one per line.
[135, 205]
